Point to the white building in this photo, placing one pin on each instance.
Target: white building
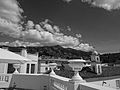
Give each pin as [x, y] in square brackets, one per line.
[28, 67]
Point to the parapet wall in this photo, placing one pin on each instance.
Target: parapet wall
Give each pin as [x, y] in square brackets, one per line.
[60, 83]
[30, 81]
[41, 82]
[50, 82]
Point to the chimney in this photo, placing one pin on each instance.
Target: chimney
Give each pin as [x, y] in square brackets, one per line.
[24, 51]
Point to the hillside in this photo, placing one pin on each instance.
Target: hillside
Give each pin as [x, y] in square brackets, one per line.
[68, 53]
[110, 58]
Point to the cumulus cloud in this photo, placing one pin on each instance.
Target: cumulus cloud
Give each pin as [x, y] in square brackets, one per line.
[47, 34]
[10, 16]
[10, 28]
[106, 4]
[78, 35]
[18, 43]
[42, 34]
[44, 37]
[56, 28]
[29, 25]
[10, 10]
[48, 27]
[84, 47]
[38, 27]
[67, 1]
[68, 28]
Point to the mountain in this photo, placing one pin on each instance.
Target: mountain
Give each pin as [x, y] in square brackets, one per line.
[110, 58]
[68, 53]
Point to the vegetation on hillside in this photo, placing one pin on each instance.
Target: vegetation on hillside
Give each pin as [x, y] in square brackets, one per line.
[56, 52]
[110, 58]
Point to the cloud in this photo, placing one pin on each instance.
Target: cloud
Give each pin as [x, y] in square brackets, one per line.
[10, 10]
[29, 25]
[48, 27]
[10, 16]
[43, 37]
[68, 28]
[9, 28]
[18, 43]
[47, 34]
[84, 47]
[67, 1]
[42, 34]
[106, 4]
[38, 27]
[78, 35]
[56, 28]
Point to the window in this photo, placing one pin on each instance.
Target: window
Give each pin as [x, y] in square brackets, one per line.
[94, 69]
[32, 68]
[11, 69]
[27, 69]
[99, 71]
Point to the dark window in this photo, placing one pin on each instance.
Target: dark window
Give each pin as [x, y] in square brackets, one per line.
[32, 68]
[98, 69]
[27, 69]
[94, 69]
[11, 69]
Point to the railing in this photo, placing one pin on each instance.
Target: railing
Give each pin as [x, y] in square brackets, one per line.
[45, 82]
[30, 81]
[5, 80]
[60, 83]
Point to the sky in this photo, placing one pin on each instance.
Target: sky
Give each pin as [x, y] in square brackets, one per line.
[99, 27]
